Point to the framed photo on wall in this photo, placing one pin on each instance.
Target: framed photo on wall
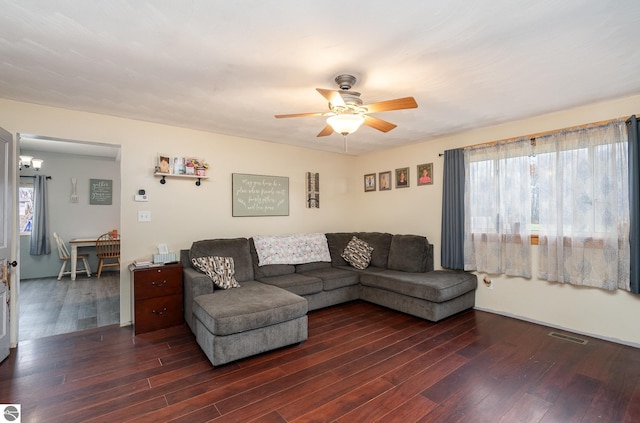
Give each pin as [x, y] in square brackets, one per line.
[402, 177]
[425, 174]
[384, 178]
[369, 182]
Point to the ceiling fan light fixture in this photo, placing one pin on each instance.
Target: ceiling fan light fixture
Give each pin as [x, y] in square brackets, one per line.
[345, 124]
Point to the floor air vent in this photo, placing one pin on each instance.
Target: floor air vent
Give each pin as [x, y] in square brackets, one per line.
[568, 338]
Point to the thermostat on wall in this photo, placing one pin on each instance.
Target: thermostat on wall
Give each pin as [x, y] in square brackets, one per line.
[139, 197]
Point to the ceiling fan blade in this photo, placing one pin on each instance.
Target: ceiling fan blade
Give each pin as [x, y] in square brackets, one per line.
[332, 96]
[327, 130]
[379, 124]
[300, 115]
[397, 104]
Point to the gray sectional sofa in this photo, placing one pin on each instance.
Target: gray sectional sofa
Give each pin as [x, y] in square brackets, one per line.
[270, 308]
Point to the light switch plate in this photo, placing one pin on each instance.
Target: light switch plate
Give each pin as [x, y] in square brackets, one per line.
[144, 216]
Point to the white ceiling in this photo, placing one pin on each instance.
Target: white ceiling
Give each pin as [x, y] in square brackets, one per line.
[229, 66]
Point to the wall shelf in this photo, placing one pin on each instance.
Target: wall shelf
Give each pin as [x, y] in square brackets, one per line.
[163, 177]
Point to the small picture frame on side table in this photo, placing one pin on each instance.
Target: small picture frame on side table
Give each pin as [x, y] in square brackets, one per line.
[369, 182]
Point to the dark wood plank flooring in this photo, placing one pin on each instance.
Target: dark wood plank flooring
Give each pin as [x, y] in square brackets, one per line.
[361, 363]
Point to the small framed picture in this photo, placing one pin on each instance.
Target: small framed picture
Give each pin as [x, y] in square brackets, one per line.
[425, 174]
[369, 182]
[384, 178]
[179, 166]
[402, 177]
[164, 163]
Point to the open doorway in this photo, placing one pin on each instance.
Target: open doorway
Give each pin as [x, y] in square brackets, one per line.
[49, 306]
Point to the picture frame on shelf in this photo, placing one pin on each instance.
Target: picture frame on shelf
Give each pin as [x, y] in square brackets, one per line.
[164, 164]
[425, 174]
[402, 177]
[384, 179]
[179, 166]
[369, 182]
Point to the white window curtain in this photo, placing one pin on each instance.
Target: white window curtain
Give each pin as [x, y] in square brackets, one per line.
[498, 209]
[582, 178]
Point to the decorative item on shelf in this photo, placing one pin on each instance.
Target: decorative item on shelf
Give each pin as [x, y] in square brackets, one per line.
[179, 167]
[164, 163]
[199, 165]
[189, 169]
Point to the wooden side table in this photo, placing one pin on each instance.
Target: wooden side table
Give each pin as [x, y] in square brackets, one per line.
[157, 297]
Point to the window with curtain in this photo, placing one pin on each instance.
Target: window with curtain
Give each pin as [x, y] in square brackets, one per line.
[498, 209]
[570, 188]
[25, 199]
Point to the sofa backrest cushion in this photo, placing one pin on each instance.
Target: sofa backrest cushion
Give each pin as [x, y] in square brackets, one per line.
[238, 248]
[409, 253]
[337, 242]
[381, 243]
[308, 267]
[269, 269]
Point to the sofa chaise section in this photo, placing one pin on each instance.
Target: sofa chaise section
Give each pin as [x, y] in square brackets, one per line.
[239, 322]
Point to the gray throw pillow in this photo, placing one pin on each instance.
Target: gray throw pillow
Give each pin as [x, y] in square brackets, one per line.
[220, 269]
[357, 253]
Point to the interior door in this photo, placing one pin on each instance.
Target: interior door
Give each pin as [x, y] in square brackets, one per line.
[6, 233]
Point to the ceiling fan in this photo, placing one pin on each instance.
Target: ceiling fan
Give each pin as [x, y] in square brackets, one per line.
[347, 112]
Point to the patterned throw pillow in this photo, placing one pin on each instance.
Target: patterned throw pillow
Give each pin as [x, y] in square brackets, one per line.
[357, 253]
[220, 269]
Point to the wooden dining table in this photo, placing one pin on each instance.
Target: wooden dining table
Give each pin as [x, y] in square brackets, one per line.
[75, 244]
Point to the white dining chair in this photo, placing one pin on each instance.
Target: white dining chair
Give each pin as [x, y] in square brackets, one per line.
[66, 257]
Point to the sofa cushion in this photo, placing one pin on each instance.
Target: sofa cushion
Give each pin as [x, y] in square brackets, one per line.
[334, 278]
[303, 268]
[337, 242]
[220, 269]
[436, 286]
[254, 305]
[238, 248]
[269, 269]
[357, 253]
[295, 282]
[381, 242]
[408, 253]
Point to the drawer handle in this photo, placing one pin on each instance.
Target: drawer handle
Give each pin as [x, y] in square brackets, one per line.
[160, 313]
[163, 283]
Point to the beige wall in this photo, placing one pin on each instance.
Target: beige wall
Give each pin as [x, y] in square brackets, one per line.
[609, 315]
[182, 213]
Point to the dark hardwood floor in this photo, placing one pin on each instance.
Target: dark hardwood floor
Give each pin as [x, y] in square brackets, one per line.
[361, 363]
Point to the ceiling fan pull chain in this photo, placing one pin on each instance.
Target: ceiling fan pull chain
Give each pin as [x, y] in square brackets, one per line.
[345, 143]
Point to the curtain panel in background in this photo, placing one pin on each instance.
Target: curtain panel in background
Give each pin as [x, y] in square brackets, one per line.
[40, 242]
[633, 131]
[452, 244]
[498, 208]
[583, 212]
